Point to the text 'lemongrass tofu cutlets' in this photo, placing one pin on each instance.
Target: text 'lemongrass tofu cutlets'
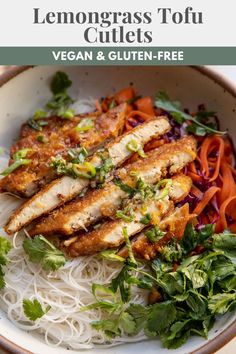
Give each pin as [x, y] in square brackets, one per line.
[167, 159]
[66, 188]
[55, 138]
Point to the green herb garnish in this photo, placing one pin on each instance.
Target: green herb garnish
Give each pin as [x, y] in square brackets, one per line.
[124, 187]
[18, 160]
[154, 234]
[33, 309]
[111, 255]
[60, 82]
[197, 122]
[167, 183]
[202, 287]
[112, 104]
[134, 146]
[5, 247]
[129, 246]
[42, 139]
[77, 155]
[124, 216]
[84, 125]
[84, 170]
[146, 219]
[40, 250]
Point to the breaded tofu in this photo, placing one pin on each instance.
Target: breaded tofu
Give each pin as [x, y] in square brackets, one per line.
[170, 158]
[173, 224]
[66, 188]
[110, 234]
[56, 138]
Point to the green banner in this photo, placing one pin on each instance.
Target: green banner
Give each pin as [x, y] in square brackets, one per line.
[118, 56]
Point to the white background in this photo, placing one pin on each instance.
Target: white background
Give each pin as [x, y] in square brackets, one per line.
[17, 28]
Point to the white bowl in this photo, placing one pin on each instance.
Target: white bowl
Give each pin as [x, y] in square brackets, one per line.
[27, 89]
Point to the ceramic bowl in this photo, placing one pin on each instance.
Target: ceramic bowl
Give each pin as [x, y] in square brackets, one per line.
[25, 89]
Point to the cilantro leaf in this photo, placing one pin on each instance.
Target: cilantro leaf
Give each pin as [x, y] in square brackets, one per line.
[109, 327]
[33, 309]
[197, 304]
[177, 335]
[60, 102]
[5, 247]
[40, 250]
[121, 282]
[161, 316]
[139, 314]
[225, 242]
[171, 252]
[127, 323]
[173, 107]
[221, 303]
[60, 82]
[192, 238]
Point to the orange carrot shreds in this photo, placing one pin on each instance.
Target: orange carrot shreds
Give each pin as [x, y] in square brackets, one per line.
[129, 108]
[136, 117]
[153, 144]
[140, 114]
[227, 208]
[233, 170]
[98, 106]
[145, 105]
[214, 183]
[196, 192]
[192, 167]
[125, 95]
[212, 144]
[206, 199]
[195, 177]
[228, 188]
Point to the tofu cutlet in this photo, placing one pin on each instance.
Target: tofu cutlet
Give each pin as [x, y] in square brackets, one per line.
[66, 188]
[170, 158]
[110, 233]
[57, 137]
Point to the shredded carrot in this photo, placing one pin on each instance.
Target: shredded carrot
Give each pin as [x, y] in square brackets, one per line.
[196, 192]
[153, 144]
[145, 105]
[222, 223]
[213, 168]
[211, 143]
[213, 172]
[98, 106]
[125, 95]
[140, 114]
[205, 200]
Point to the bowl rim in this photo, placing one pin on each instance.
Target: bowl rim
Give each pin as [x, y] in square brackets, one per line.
[230, 332]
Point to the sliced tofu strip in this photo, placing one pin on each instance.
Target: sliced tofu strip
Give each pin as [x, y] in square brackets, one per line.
[66, 188]
[174, 226]
[60, 135]
[82, 213]
[110, 235]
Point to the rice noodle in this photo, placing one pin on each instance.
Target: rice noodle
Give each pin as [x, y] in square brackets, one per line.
[66, 291]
